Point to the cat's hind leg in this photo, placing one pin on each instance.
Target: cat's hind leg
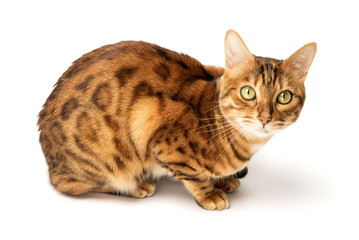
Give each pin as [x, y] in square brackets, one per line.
[146, 189]
[65, 179]
[129, 185]
[72, 186]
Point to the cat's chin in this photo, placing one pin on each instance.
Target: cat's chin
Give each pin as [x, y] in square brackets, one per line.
[262, 132]
[258, 132]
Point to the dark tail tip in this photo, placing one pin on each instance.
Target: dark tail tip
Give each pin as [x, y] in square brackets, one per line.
[242, 173]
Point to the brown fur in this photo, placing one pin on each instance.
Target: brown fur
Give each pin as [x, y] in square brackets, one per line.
[123, 111]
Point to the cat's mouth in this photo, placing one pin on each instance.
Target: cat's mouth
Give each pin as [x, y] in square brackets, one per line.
[263, 130]
[256, 129]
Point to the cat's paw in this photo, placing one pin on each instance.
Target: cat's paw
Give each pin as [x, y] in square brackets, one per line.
[147, 189]
[228, 185]
[215, 200]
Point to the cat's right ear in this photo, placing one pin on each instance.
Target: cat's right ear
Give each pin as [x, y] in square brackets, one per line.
[237, 54]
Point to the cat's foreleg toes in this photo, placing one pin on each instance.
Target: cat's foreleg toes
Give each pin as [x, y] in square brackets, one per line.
[214, 200]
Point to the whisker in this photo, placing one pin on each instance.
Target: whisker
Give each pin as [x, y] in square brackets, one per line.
[238, 133]
[231, 124]
[215, 117]
[221, 132]
[211, 109]
[221, 139]
[212, 130]
[247, 121]
[224, 122]
[210, 125]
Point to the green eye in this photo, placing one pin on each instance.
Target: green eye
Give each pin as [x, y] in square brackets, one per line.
[284, 97]
[248, 93]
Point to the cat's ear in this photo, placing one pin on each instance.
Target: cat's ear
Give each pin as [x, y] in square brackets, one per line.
[237, 54]
[298, 64]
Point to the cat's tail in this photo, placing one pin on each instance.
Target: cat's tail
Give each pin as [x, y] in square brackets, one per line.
[242, 173]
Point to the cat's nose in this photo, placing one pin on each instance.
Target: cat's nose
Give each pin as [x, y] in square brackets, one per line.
[264, 120]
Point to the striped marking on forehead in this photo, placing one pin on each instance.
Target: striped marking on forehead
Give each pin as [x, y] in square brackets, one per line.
[269, 73]
[267, 70]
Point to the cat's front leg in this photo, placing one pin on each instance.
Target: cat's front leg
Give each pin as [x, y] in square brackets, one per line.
[206, 195]
[197, 183]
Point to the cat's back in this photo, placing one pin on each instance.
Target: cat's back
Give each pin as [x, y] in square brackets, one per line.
[122, 72]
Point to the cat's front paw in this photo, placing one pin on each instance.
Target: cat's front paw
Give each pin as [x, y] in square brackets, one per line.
[228, 185]
[214, 200]
[147, 189]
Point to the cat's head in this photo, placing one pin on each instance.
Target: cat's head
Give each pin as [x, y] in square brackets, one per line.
[262, 96]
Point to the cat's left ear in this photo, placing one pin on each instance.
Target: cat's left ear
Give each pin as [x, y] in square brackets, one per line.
[298, 63]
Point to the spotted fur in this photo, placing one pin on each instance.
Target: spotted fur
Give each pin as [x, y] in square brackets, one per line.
[124, 114]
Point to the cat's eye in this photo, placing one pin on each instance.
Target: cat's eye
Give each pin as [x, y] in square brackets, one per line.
[284, 97]
[248, 93]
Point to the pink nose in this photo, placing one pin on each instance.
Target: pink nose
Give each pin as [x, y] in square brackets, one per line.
[264, 120]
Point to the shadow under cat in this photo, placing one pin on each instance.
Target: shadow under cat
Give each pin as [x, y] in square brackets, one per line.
[269, 186]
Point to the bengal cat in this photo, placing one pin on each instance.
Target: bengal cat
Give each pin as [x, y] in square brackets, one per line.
[126, 114]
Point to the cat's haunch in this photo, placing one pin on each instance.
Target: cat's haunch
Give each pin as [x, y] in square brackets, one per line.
[127, 114]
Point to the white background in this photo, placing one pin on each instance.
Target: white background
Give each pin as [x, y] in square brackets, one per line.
[301, 185]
